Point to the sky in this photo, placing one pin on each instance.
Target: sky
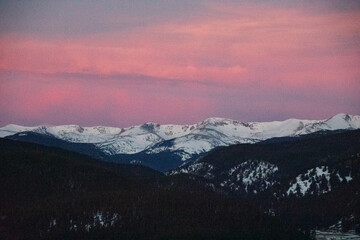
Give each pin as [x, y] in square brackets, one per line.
[122, 63]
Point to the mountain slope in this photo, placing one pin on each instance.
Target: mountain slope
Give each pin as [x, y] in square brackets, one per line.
[312, 179]
[259, 166]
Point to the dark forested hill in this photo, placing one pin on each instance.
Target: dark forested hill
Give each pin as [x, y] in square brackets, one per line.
[49, 193]
[245, 165]
[293, 156]
[51, 141]
[313, 180]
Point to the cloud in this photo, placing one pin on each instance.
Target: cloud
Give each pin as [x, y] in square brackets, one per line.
[239, 60]
[231, 44]
[39, 99]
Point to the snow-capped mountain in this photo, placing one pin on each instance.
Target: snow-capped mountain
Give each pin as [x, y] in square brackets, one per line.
[184, 141]
[111, 140]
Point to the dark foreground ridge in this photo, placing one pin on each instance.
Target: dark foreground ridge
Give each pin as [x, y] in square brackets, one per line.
[50, 193]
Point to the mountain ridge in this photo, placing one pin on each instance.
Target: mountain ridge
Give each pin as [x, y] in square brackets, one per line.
[181, 143]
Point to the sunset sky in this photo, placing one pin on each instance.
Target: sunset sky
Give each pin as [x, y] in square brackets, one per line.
[121, 63]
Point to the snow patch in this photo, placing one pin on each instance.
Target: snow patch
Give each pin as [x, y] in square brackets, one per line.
[201, 169]
[252, 176]
[314, 181]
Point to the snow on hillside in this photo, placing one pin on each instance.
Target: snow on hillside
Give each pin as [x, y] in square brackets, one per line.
[317, 181]
[249, 174]
[190, 139]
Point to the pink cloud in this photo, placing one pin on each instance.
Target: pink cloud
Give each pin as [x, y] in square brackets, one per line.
[229, 44]
[86, 102]
[252, 50]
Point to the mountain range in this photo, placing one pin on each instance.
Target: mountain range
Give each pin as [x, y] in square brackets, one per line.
[277, 180]
[167, 147]
[282, 188]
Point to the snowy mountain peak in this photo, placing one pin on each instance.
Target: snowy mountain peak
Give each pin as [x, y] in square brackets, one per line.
[215, 121]
[344, 116]
[343, 121]
[150, 126]
[14, 127]
[189, 139]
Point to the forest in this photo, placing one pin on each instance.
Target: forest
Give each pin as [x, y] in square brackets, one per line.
[50, 193]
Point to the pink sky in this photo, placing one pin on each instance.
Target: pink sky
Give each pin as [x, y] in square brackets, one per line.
[125, 63]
